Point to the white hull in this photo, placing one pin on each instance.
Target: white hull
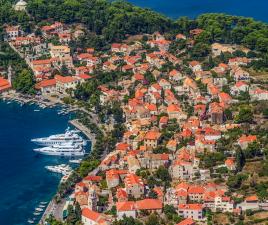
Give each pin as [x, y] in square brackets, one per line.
[70, 136]
[72, 154]
[51, 143]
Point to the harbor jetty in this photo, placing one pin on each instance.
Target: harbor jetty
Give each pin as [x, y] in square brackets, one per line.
[54, 209]
[84, 130]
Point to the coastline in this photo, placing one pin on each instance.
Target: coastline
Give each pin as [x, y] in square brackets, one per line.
[30, 121]
[56, 209]
[52, 208]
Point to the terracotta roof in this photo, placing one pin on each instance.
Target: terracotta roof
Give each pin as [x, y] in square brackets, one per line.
[172, 143]
[67, 79]
[194, 63]
[84, 76]
[45, 83]
[138, 76]
[121, 193]
[252, 198]
[125, 206]
[132, 179]
[249, 138]
[224, 97]
[196, 190]
[41, 61]
[190, 206]
[230, 162]
[152, 135]
[122, 146]
[181, 193]
[188, 221]
[158, 191]
[163, 119]
[93, 178]
[149, 204]
[173, 108]
[240, 84]
[94, 216]
[4, 84]
[183, 186]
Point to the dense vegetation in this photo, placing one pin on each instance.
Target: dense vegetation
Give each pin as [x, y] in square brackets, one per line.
[233, 29]
[113, 20]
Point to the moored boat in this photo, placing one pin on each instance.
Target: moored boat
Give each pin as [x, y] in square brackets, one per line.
[68, 136]
[67, 149]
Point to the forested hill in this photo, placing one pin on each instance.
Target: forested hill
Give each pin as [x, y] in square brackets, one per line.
[113, 20]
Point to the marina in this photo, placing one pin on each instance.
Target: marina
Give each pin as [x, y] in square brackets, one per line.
[30, 201]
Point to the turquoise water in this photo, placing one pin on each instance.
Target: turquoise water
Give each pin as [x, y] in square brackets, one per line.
[24, 182]
[193, 8]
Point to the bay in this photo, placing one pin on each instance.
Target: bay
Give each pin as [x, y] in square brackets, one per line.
[192, 8]
[24, 182]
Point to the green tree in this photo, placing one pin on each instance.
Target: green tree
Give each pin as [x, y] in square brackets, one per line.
[200, 50]
[240, 159]
[127, 221]
[153, 219]
[245, 115]
[23, 82]
[253, 150]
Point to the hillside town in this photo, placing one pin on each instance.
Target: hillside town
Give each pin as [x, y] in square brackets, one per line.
[193, 150]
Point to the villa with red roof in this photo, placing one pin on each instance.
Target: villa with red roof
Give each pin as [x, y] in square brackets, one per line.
[151, 139]
[132, 208]
[188, 221]
[4, 85]
[90, 217]
[134, 185]
[244, 140]
[194, 211]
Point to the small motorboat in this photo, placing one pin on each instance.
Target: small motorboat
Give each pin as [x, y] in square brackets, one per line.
[39, 209]
[30, 221]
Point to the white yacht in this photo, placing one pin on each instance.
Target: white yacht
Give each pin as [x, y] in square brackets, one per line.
[57, 139]
[66, 149]
[75, 161]
[62, 169]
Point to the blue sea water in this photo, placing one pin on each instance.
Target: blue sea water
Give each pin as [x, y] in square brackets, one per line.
[24, 182]
[257, 9]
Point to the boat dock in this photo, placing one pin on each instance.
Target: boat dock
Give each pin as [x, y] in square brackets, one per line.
[84, 130]
[42, 102]
[54, 209]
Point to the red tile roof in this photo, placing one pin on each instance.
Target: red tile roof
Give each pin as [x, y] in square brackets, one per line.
[149, 204]
[45, 83]
[67, 79]
[190, 207]
[249, 138]
[94, 216]
[125, 206]
[188, 221]
[152, 135]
